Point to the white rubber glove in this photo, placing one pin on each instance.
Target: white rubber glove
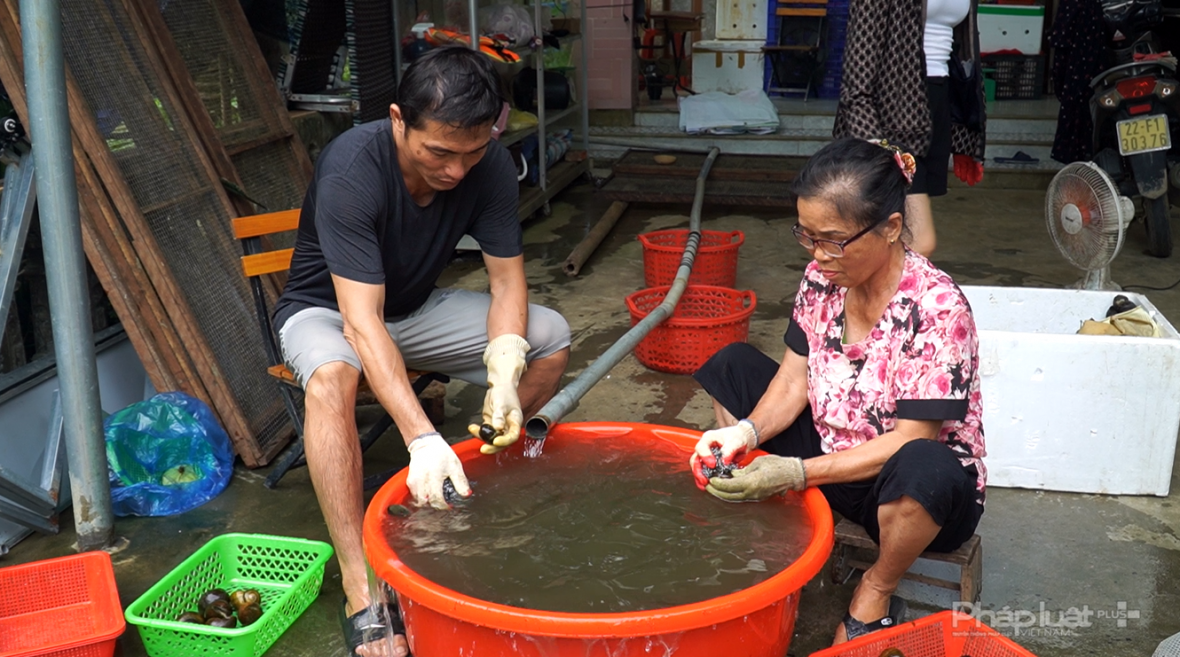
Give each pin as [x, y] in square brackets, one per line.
[734, 441]
[505, 358]
[764, 477]
[432, 461]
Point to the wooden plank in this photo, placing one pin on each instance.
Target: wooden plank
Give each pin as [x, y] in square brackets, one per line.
[147, 250]
[727, 167]
[131, 295]
[186, 90]
[803, 11]
[916, 577]
[639, 189]
[234, 19]
[266, 224]
[281, 373]
[270, 262]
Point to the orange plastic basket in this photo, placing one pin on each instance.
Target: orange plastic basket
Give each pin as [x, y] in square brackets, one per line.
[706, 319]
[715, 264]
[945, 634]
[66, 607]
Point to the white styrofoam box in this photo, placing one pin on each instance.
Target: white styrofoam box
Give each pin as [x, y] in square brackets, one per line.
[1068, 412]
[1011, 27]
[741, 19]
[727, 66]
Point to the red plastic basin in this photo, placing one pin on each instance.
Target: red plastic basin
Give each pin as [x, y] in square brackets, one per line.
[755, 622]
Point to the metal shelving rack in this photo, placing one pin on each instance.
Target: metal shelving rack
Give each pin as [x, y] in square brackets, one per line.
[550, 180]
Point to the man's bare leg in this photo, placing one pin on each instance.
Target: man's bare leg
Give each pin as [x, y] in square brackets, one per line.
[539, 382]
[919, 218]
[906, 531]
[334, 462]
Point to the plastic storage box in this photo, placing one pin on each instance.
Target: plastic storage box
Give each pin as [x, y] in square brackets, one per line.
[287, 572]
[1015, 77]
[741, 19]
[727, 66]
[66, 607]
[1068, 412]
[1009, 27]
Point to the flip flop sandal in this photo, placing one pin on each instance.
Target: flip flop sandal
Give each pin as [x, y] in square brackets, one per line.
[856, 629]
[368, 625]
[1020, 157]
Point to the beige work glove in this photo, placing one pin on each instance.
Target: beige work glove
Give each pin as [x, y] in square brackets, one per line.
[432, 462]
[733, 441]
[764, 477]
[505, 358]
[1135, 322]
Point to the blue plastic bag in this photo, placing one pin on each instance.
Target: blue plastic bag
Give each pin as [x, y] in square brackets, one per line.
[165, 456]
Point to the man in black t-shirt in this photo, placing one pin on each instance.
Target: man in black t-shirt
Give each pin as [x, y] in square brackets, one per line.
[387, 206]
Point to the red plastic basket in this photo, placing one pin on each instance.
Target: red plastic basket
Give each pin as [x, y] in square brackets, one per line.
[945, 634]
[66, 607]
[715, 264]
[706, 319]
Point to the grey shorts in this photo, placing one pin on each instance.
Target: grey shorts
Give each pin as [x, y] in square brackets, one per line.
[447, 334]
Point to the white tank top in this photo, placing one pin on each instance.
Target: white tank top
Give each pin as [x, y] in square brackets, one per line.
[941, 18]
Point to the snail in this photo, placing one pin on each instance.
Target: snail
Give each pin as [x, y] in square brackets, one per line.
[723, 470]
[209, 597]
[227, 623]
[245, 597]
[249, 614]
[487, 433]
[191, 617]
[449, 493]
[219, 609]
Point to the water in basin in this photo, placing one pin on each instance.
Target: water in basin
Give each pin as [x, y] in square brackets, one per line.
[597, 526]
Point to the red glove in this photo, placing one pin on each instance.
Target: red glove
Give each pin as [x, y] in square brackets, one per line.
[968, 169]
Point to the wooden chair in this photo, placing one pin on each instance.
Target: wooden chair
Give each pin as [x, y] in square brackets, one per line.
[259, 263]
[797, 58]
[851, 538]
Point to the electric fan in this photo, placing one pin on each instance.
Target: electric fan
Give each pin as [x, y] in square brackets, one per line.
[1087, 219]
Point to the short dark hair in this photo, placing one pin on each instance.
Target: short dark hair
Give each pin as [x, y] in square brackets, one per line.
[861, 179]
[453, 85]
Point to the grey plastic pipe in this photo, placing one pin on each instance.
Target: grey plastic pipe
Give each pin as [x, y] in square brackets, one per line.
[565, 400]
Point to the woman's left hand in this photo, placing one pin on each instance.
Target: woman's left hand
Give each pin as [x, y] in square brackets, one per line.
[764, 477]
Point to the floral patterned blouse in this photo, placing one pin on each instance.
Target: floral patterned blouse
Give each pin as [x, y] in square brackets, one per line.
[919, 362]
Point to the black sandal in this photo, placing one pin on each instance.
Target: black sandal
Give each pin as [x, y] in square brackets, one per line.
[856, 629]
[368, 625]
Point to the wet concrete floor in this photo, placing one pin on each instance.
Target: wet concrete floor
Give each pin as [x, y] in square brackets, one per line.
[1118, 557]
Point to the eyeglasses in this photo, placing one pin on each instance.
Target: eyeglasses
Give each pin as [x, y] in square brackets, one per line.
[832, 248]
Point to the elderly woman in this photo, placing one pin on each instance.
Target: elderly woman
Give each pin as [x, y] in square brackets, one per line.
[876, 401]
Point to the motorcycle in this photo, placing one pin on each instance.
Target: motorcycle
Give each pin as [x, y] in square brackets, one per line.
[1136, 115]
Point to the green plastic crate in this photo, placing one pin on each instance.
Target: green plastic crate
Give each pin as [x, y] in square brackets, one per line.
[287, 572]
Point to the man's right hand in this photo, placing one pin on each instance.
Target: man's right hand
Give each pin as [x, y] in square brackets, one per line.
[734, 441]
[432, 461]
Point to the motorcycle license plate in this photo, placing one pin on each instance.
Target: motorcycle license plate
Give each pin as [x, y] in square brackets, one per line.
[1144, 135]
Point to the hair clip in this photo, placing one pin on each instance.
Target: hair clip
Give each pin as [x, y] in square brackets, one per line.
[905, 161]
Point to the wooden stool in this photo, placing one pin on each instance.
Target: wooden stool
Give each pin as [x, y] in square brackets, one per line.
[851, 537]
